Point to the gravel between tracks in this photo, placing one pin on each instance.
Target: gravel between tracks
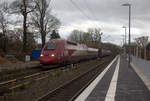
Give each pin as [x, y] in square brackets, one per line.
[39, 88]
[8, 67]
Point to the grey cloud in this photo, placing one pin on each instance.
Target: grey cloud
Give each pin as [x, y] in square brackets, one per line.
[104, 10]
[109, 13]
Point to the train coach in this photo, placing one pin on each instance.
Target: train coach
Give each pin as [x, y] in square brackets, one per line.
[59, 51]
[104, 52]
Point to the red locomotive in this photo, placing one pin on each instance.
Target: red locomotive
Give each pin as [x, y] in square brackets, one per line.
[59, 51]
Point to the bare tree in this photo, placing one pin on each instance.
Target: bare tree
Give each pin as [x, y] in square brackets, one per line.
[23, 7]
[43, 20]
[73, 36]
[4, 22]
[95, 34]
[138, 48]
[54, 35]
[91, 38]
[142, 41]
[76, 36]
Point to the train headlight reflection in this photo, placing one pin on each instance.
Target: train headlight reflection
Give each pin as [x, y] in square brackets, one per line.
[41, 55]
[52, 55]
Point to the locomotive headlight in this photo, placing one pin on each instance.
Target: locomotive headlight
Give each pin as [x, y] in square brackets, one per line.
[41, 55]
[52, 55]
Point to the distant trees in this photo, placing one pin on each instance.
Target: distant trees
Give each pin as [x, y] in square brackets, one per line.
[112, 47]
[43, 20]
[91, 38]
[54, 35]
[31, 43]
[35, 18]
[23, 7]
[142, 43]
[95, 34]
[36, 13]
[3, 24]
[76, 36]
[148, 46]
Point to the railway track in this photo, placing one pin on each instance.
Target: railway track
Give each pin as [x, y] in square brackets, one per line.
[24, 80]
[70, 90]
[12, 84]
[8, 76]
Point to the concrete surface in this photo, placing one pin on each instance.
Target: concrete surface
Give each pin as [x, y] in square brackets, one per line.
[142, 65]
[120, 83]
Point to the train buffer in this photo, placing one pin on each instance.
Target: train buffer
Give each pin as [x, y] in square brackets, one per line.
[120, 82]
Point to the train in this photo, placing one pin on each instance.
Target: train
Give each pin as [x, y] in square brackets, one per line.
[59, 51]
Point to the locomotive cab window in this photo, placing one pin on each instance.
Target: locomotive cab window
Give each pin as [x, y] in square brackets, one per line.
[50, 46]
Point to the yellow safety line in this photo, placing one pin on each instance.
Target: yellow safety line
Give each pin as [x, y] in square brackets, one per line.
[42, 77]
[1, 83]
[32, 75]
[19, 85]
[26, 83]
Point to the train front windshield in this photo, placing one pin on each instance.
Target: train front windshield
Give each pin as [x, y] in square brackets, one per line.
[50, 46]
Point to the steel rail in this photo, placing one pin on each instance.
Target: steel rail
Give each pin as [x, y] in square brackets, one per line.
[52, 92]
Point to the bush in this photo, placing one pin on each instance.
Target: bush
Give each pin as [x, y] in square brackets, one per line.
[20, 56]
[2, 54]
[3, 60]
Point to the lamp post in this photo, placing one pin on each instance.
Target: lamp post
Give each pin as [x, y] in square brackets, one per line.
[129, 5]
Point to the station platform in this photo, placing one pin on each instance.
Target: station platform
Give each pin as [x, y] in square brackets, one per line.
[142, 65]
[120, 82]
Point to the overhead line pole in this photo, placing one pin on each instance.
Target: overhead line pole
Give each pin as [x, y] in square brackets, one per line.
[129, 5]
[129, 34]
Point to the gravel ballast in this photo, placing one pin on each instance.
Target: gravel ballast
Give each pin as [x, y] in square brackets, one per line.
[55, 79]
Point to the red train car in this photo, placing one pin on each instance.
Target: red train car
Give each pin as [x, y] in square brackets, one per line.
[59, 51]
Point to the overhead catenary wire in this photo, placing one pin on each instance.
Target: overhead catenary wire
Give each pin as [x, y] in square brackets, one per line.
[81, 11]
[52, 4]
[91, 17]
[108, 37]
[90, 11]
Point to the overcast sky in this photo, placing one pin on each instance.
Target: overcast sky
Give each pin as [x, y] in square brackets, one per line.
[108, 15]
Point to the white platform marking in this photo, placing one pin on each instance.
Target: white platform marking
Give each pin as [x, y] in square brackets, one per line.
[88, 90]
[112, 88]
